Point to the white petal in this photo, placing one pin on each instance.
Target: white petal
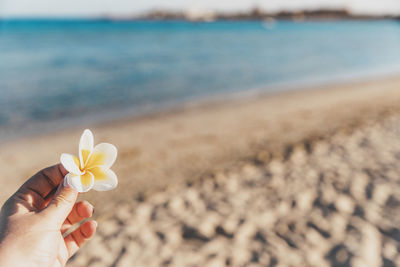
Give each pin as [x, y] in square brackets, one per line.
[75, 182]
[103, 154]
[85, 144]
[69, 163]
[108, 183]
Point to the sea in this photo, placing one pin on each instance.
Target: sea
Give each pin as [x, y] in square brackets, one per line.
[57, 74]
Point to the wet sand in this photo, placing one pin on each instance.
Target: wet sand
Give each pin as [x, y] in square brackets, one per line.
[301, 178]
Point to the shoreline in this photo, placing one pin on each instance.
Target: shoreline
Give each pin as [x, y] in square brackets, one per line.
[131, 114]
[158, 151]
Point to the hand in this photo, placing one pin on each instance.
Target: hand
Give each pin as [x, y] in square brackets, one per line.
[34, 219]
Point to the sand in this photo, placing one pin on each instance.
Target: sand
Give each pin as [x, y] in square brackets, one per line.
[300, 178]
[334, 203]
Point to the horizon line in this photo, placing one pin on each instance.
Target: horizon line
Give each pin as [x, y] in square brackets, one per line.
[148, 12]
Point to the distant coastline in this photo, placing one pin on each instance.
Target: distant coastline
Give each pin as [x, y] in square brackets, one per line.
[256, 14]
[205, 15]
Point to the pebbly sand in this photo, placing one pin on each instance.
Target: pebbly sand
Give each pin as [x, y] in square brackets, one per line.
[304, 178]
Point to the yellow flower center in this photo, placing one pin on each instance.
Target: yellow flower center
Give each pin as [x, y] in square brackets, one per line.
[91, 164]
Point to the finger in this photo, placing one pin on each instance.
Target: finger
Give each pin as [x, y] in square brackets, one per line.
[61, 205]
[80, 236]
[37, 191]
[80, 211]
[43, 182]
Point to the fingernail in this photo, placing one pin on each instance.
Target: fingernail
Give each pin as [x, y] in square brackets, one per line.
[91, 208]
[65, 183]
[96, 224]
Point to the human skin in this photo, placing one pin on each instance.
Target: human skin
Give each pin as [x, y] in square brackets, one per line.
[33, 220]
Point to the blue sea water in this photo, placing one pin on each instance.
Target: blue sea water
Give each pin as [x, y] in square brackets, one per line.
[58, 73]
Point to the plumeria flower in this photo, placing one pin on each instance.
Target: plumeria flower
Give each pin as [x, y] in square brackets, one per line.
[92, 169]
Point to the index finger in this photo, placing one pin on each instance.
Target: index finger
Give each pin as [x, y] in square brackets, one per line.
[45, 181]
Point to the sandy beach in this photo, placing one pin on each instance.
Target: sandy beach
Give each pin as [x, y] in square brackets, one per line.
[302, 178]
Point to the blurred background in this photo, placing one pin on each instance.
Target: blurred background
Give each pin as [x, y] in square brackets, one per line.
[70, 62]
[250, 133]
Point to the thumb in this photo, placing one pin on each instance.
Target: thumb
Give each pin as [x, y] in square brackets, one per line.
[61, 204]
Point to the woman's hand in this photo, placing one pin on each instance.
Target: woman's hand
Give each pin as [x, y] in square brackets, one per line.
[34, 219]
